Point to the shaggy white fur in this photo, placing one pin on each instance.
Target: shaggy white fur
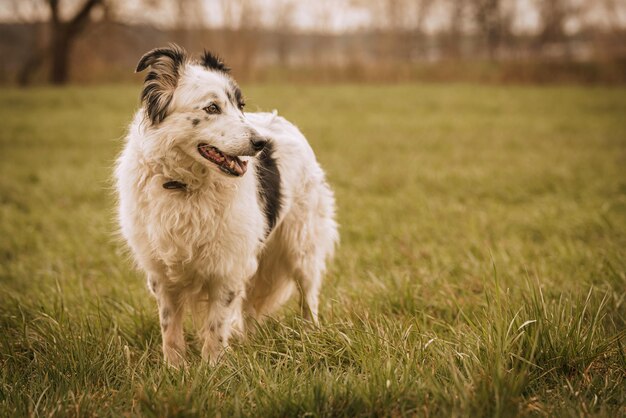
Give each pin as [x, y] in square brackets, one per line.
[227, 245]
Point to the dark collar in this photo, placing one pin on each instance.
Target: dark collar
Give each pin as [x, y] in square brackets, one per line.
[173, 184]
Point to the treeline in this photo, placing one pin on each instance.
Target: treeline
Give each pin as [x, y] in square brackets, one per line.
[394, 40]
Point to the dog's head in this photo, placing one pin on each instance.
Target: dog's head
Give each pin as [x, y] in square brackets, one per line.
[195, 106]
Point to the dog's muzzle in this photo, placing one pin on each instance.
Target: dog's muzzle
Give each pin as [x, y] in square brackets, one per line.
[229, 164]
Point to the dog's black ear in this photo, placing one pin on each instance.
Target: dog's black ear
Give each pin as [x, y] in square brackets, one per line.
[213, 62]
[165, 65]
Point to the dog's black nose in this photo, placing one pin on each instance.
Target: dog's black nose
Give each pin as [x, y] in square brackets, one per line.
[258, 142]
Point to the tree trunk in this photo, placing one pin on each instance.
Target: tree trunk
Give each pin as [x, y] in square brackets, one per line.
[60, 55]
[63, 35]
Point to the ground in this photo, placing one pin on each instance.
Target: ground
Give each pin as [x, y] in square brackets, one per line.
[481, 272]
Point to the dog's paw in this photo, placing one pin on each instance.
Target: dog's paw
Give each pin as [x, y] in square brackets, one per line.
[174, 358]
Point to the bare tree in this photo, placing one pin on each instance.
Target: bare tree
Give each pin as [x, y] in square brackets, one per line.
[64, 33]
[399, 26]
[422, 9]
[283, 24]
[57, 32]
[490, 20]
[30, 12]
[188, 20]
[553, 15]
[453, 37]
[420, 13]
[242, 18]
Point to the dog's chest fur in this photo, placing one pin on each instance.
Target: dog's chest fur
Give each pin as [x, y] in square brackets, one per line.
[214, 233]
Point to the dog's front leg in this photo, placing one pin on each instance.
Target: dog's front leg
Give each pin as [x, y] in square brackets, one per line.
[171, 317]
[224, 317]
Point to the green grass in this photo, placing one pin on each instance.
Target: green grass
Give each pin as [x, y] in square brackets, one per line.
[482, 269]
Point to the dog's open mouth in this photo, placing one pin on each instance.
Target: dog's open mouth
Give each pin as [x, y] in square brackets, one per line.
[229, 164]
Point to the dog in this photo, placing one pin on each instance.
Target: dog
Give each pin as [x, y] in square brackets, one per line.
[227, 212]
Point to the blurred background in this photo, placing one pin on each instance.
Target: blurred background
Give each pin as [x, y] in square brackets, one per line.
[477, 151]
[520, 41]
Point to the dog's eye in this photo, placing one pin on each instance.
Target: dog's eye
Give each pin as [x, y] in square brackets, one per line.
[212, 109]
[241, 105]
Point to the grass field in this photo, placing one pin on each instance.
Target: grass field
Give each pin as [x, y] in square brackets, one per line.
[482, 269]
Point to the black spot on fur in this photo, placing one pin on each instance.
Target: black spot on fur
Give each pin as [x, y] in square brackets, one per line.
[195, 122]
[161, 81]
[165, 319]
[238, 97]
[270, 195]
[213, 62]
[230, 297]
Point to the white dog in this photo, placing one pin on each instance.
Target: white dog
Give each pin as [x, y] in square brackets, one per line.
[226, 212]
